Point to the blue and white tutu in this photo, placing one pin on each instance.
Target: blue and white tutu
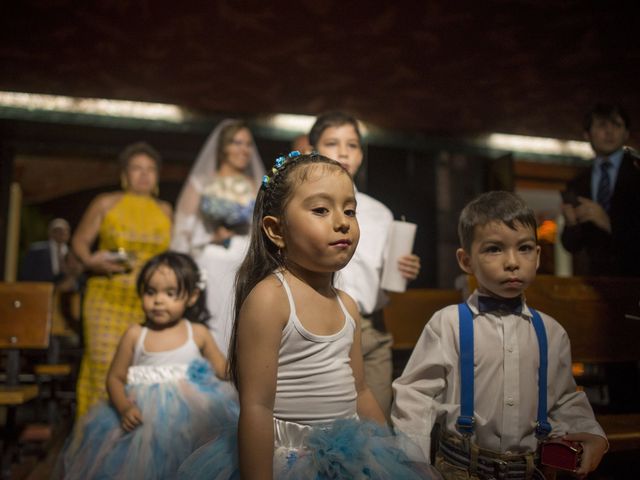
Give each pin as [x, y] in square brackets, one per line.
[344, 449]
[182, 408]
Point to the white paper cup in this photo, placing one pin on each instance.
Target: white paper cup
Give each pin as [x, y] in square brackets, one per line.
[401, 240]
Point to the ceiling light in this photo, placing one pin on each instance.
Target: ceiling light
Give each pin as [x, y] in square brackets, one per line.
[300, 123]
[93, 106]
[539, 145]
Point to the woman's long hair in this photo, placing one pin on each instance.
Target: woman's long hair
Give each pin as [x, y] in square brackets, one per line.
[263, 256]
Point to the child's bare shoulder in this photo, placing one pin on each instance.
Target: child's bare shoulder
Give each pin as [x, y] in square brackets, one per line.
[131, 335]
[134, 330]
[349, 303]
[268, 298]
[200, 331]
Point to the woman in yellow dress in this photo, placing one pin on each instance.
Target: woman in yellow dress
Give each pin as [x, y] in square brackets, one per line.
[132, 226]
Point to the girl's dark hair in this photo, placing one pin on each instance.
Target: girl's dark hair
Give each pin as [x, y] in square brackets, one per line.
[188, 277]
[332, 119]
[494, 206]
[263, 257]
[136, 149]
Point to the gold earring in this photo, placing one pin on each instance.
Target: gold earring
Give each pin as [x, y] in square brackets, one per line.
[123, 183]
[156, 190]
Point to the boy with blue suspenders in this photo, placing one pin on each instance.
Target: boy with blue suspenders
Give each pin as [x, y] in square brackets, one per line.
[493, 373]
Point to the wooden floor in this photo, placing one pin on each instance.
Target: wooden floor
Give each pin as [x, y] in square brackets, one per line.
[37, 460]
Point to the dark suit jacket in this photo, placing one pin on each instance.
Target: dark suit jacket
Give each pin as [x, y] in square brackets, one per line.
[618, 253]
[36, 265]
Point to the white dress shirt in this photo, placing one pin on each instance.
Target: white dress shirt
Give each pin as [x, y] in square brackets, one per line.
[58, 252]
[506, 361]
[361, 277]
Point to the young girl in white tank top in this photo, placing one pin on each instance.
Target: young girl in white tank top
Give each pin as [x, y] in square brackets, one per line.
[305, 410]
[165, 401]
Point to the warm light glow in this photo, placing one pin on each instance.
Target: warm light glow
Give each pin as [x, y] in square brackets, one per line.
[293, 123]
[300, 123]
[577, 369]
[93, 106]
[547, 231]
[539, 145]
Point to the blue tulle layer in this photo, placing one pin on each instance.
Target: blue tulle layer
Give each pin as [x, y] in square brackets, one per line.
[178, 417]
[348, 449]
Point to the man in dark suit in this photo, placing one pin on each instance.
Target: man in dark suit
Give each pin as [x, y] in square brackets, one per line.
[45, 261]
[602, 209]
[602, 226]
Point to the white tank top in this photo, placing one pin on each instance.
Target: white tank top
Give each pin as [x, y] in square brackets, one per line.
[183, 355]
[315, 382]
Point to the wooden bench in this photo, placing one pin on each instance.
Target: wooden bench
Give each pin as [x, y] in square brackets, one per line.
[600, 315]
[407, 313]
[25, 323]
[66, 310]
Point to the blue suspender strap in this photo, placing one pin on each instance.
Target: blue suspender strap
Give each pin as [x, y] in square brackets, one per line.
[543, 428]
[465, 421]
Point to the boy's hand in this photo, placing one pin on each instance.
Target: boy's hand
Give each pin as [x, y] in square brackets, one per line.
[131, 418]
[593, 448]
[409, 266]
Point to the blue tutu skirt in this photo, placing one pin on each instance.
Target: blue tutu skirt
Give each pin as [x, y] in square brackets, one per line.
[182, 408]
[344, 449]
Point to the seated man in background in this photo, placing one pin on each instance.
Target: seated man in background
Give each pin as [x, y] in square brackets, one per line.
[45, 261]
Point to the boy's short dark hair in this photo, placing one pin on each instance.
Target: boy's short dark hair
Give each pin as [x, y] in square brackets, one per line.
[607, 111]
[494, 206]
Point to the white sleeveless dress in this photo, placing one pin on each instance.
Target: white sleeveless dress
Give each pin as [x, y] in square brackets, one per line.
[183, 406]
[317, 432]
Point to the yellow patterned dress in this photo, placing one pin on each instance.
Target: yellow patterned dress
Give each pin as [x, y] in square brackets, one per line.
[139, 226]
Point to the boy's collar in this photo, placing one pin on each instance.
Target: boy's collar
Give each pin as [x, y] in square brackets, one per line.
[488, 304]
[473, 302]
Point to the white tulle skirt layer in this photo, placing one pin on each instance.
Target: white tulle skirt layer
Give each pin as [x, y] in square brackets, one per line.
[182, 409]
[344, 449]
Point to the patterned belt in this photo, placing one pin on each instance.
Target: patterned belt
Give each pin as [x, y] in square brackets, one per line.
[487, 464]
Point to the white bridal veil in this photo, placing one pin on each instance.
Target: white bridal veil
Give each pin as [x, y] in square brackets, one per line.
[189, 231]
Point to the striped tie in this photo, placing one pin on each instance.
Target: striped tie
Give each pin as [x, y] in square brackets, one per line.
[604, 186]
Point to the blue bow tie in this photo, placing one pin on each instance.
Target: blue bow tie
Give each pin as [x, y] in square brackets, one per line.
[491, 304]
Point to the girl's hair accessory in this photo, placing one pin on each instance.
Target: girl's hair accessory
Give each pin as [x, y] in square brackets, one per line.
[278, 164]
[202, 280]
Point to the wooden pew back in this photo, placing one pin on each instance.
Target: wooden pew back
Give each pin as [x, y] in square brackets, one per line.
[596, 312]
[600, 315]
[407, 313]
[25, 314]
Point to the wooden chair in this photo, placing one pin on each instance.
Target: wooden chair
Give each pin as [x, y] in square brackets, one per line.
[600, 315]
[407, 313]
[25, 323]
[66, 309]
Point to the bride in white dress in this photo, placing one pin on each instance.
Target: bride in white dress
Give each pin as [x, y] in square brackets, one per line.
[213, 213]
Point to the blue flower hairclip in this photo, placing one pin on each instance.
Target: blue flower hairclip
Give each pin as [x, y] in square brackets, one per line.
[278, 164]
